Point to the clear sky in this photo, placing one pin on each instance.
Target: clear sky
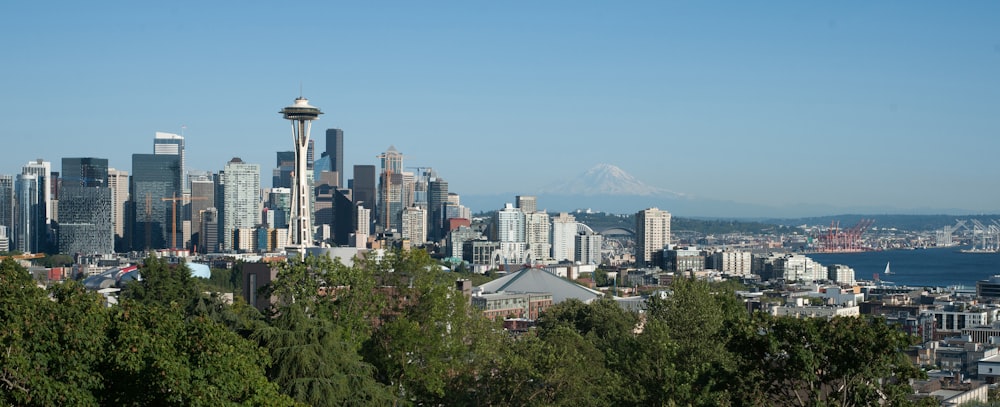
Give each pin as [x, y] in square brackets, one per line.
[893, 104]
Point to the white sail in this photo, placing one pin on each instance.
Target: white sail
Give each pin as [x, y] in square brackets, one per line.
[887, 269]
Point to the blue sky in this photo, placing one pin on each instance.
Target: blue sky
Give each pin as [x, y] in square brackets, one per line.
[878, 104]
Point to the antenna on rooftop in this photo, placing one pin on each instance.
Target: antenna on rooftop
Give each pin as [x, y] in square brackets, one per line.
[183, 127]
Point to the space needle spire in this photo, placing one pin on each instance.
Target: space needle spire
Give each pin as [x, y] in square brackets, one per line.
[301, 114]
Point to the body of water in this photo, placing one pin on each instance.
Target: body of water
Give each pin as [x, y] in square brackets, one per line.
[939, 267]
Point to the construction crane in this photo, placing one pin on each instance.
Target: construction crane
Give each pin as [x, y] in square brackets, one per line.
[173, 210]
[28, 256]
[845, 240]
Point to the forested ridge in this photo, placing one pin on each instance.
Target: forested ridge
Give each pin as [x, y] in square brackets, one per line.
[396, 332]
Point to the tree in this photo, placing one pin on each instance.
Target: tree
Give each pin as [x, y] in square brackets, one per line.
[158, 356]
[697, 321]
[845, 361]
[50, 347]
[163, 284]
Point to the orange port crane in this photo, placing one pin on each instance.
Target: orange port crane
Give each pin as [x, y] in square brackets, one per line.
[173, 213]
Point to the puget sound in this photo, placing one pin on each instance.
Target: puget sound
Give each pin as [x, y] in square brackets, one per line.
[931, 267]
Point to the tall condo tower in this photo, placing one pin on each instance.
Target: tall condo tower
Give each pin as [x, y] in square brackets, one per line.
[301, 114]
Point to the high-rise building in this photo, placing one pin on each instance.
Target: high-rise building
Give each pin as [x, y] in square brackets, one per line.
[282, 175]
[85, 207]
[508, 225]
[302, 115]
[363, 188]
[344, 217]
[4, 239]
[526, 203]
[154, 179]
[437, 197]
[208, 235]
[537, 234]
[42, 170]
[363, 224]
[171, 144]
[564, 229]
[390, 189]
[241, 200]
[335, 151]
[7, 203]
[652, 233]
[29, 217]
[588, 247]
[280, 202]
[311, 155]
[414, 225]
[118, 182]
[457, 239]
[202, 197]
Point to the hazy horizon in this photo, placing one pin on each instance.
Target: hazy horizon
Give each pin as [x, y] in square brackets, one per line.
[860, 105]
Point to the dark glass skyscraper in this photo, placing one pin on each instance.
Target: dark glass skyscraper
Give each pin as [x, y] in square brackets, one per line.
[85, 215]
[363, 187]
[154, 177]
[7, 204]
[437, 196]
[335, 150]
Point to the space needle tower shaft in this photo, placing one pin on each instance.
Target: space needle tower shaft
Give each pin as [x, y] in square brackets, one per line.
[301, 114]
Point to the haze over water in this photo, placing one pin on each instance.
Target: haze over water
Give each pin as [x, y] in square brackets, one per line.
[938, 267]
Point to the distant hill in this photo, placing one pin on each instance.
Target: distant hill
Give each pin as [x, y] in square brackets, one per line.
[608, 188]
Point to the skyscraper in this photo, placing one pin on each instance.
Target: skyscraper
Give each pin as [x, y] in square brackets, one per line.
[414, 225]
[344, 217]
[588, 247]
[118, 182]
[202, 198]
[42, 170]
[301, 114]
[29, 216]
[364, 190]
[85, 207]
[390, 190]
[241, 200]
[527, 203]
[564, 229]
[537, 234]
[508, 225]
[437, 197]
[335, 150]
[7, 203]
[171, 144]
[154, 177]
[652, 233]
[282, 175]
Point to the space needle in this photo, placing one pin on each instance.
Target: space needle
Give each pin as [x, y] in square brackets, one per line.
[301, 114]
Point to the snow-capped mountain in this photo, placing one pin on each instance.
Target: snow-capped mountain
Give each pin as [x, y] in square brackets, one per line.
[606, 179]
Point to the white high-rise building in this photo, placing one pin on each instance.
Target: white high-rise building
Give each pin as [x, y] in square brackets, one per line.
[364, 224]
[118, 182]
[172, 144]
[241, 200]
[414, 225]
[563, 241]
[588, 247]
[42, 170]
[537, 234]
[652, 233]
[508, 225]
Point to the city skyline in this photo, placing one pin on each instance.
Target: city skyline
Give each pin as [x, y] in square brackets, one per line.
[878, 105]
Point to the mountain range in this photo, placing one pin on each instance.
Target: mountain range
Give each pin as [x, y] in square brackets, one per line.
[608, 188]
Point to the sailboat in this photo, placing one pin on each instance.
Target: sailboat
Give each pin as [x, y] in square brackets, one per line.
[887, 271]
